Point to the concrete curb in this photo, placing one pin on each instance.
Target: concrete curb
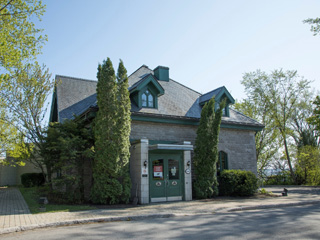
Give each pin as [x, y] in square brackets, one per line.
[270, 206]
[146, 216]
[84, 221]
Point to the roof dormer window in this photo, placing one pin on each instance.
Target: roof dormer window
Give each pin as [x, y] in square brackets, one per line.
[147, 99]
[225, 110]
[145, 93]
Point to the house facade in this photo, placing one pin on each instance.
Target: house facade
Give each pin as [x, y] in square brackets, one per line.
[165, 115]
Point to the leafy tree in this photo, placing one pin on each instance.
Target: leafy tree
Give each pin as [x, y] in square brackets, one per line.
[303, 132]
[20, 40]
[8, 135]
[206, 150]
[24, 97]
[315, 118]
[282, 92]
[315, 25]
[112, 128]
[308, 165]
[267, 143]
[20, 43]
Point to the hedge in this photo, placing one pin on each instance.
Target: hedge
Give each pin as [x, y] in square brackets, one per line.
[32, 179]
[237, 183]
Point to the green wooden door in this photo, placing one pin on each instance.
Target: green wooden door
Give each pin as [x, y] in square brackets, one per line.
[166, 183]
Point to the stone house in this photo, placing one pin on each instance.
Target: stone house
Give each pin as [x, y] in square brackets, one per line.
[165, 115]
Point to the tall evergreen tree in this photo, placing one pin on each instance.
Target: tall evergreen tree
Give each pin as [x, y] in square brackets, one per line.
[112, 130]
[106, 187]
[123, 130]
[206, 151]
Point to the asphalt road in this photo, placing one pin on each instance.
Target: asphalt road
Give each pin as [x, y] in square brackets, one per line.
[286, 223]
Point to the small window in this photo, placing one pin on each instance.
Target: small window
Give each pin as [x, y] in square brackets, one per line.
[222, 161]
[173, 166]
[157, 166]
[144, 100]
[224, 112]
[150, 100]
[147, 100]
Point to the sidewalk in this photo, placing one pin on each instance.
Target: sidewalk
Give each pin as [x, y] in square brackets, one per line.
[15, 215]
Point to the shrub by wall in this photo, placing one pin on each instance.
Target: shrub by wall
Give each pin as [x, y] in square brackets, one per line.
[32, 179]
[237, 183]
[282, 178]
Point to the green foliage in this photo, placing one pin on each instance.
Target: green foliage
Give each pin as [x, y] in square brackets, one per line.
[24, 85]
[283, 93]
[32, 179]
[23, 110]
[65, 149]
[206, 151]
[20, 40]
[282, 178]
[123, 130]
[237, 183]
[112, 130]
[12, 144]
[315, 25]
[308, 165]
[315, 118]
[264, 192]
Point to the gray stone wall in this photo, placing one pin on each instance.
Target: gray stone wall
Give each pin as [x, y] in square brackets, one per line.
[163, 132]
[238, 144]
[240, 147]
[140, 185]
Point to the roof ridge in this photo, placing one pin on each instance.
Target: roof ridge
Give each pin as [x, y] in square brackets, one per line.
[213, 90]
[138, 82]
[185, 86]
[143, 65]
[81, 79]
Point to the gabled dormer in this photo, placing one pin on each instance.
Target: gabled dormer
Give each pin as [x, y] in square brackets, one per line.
[145, 92]
[219, 94]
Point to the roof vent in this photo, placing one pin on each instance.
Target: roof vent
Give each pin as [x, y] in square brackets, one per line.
[161, 73]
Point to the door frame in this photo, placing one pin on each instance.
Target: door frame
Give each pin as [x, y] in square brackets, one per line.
[164, 154]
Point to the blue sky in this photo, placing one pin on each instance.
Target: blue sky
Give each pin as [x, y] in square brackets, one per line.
[205, 43]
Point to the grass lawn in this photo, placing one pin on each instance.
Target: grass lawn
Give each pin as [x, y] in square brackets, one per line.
[31, 196]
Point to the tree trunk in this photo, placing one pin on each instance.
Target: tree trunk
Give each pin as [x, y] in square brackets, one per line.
[289, 160]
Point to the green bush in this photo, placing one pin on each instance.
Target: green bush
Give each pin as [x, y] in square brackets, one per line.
[32, 179]
[282, 178]
[237, 183]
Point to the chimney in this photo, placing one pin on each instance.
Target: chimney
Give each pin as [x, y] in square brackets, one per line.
[161, 73]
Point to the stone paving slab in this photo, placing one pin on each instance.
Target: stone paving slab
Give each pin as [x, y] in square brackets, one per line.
[15, 215]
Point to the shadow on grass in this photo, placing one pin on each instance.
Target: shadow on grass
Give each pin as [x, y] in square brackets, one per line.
[31, 196]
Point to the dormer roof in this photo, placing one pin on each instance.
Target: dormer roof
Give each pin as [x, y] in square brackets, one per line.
[218, 94]
[148, 79]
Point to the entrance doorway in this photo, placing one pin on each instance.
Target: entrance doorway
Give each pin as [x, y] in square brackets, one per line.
[166, 177]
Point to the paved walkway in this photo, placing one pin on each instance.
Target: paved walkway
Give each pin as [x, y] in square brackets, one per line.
[15, 215]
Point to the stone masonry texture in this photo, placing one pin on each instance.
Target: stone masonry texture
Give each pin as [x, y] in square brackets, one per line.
[238, 144]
